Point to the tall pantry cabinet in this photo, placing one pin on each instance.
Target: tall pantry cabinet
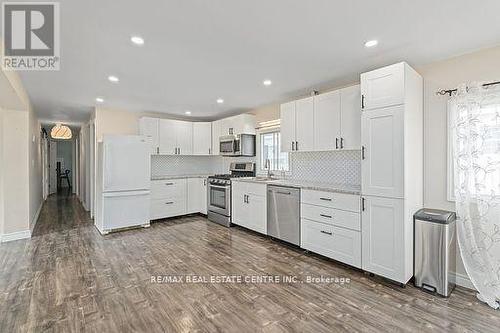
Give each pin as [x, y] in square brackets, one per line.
[391, 168]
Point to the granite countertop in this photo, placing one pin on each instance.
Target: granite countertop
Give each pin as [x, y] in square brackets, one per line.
[307, 185]
[179, 176]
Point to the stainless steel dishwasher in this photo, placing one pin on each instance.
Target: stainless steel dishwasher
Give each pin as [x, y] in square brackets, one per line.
[283, 213]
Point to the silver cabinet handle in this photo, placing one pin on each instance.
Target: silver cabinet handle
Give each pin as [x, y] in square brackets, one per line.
[168, 184]
[362, 101]
[296, 145]
[293, 146]
[336, 143]
[325, 199]
[363, 152]
[363, 204]
[157, 150]
[169, 203]
[326, 232]
[327, 216]
[341, 143]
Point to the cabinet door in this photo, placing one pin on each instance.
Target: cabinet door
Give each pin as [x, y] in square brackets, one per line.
[184, 134]
[150, 127]
[350, 115]
[216, 133]
[304, 124]
[204, 197]
[202, 138]
[287, 115]
[239, 214]
[382, 229]
[168, 140]
[244, 124]
[383, 163]
[257, 208]
[383, 87]
[327, 121]
[194, 195]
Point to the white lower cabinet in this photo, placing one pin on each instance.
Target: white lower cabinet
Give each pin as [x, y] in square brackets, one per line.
[197, 195]
[168, 198]
[331, 225]
[333, 242]
[176, 197]
[249, 206]
[384, 248]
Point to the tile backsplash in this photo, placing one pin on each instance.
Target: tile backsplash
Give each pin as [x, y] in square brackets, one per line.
[171, 165]
[336, 167]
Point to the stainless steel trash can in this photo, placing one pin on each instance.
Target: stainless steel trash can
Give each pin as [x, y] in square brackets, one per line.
[434, 250]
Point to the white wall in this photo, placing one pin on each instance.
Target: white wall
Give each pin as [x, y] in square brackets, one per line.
[1, 177]
[35, 168]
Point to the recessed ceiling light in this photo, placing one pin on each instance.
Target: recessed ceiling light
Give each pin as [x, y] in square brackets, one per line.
[220, 101]
[188, 112]
[99, 100]
[267, 82]
[371, 43]
[113, 78]
[137, 40]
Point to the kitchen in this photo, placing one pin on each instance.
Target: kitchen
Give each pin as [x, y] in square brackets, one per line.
[232, 171]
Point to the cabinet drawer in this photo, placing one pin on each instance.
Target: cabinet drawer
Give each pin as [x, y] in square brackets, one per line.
[340, 218]
[342, 201]
[163, 208]
[168, 188]
[257, 189]
[333, 242]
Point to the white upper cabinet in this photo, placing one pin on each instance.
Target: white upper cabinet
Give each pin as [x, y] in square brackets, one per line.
[327, 110]
[176, 137]
[243, 124]
[184, 136]
[216, 133]
[350, 118]
[382, 154]
[383, 87]
[168, 139]
[150, 127]
[304, 124]
[287, 130]
[297, 125]
[202, 138]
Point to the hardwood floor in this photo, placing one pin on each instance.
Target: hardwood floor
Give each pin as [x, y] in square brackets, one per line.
[69, 278]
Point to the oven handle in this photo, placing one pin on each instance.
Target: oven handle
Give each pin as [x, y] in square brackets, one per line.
[219, 186]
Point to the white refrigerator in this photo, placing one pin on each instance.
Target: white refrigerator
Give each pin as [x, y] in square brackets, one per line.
[124, 181]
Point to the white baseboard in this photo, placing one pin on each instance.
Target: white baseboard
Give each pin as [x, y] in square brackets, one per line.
[463, 281]
[16, 235]
[35, 218]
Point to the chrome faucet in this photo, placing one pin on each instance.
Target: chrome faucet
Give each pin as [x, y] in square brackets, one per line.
[267, 166]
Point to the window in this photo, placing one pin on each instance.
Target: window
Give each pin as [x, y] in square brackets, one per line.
[270, 150]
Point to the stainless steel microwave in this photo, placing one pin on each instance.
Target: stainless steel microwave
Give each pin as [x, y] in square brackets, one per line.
[237, 145]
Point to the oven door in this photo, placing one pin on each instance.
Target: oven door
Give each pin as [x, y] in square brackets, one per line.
[219, 199]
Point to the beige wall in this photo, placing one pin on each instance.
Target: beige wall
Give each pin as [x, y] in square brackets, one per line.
[113, 121]
[479, 66]
[15, 171]
[1, 176]
[35, 167]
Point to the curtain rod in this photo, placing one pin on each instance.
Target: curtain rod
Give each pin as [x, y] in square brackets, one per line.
[451, 91]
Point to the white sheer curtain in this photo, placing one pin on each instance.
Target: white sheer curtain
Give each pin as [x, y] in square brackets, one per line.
[476, 150]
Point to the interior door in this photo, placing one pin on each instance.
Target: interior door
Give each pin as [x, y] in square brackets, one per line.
[184, 131]
[287, 131]
[52, 166]
[304, 126]
[382, 161]
[382, 231]
[202, 138]
[350, 116]
[168, 137]
[150, 128]
[327, 121]
[383, 87]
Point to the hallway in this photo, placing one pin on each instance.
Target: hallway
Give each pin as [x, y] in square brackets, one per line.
[69, 278]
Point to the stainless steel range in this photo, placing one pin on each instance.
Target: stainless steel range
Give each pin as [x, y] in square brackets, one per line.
[219, 192]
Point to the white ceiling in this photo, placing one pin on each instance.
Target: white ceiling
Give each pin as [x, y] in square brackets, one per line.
[199, 50]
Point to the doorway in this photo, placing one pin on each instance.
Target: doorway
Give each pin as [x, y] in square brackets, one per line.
[61, 166]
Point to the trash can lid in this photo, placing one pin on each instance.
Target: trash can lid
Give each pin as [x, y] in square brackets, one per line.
[435, 215]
